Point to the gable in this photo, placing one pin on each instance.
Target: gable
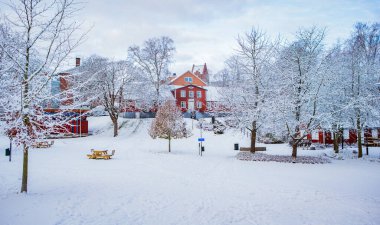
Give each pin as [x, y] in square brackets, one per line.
[187, 78]
[191, 87]
[200, 71]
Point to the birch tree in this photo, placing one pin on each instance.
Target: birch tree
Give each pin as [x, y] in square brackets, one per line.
[46, 36]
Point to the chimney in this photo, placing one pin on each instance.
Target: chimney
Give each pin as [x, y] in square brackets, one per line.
[77, 62]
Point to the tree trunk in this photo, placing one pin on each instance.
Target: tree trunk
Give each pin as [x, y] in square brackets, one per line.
[169, 143]
[336, 142]
[294, 151]
[253, 137]
[115, 127]
[360, 147]
[24, 184]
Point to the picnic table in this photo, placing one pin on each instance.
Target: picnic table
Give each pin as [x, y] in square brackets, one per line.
[100, 154]
[42, 144]
[372, 142]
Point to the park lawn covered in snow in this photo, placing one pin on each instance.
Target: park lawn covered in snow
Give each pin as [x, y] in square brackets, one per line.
[144, 184]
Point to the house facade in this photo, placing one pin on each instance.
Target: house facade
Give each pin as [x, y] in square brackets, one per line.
[63, 105]
[190, 90]
[190, 98]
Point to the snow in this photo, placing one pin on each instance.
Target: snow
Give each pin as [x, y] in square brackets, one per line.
[144, 184]
[213, 93]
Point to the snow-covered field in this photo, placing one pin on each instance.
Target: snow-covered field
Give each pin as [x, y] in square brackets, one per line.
[144, 184]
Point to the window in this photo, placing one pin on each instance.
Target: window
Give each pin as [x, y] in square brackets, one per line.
[183, 104]
[183, 94]
[189, 79]
[199, 104]
[199, 94]
[191, 94]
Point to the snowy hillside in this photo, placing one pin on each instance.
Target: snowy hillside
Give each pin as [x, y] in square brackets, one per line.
[144, 184]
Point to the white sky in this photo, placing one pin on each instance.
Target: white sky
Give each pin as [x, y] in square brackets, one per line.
[206, 30]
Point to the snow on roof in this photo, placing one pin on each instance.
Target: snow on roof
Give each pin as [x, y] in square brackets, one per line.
[166, 92]
[198, 68]
[213, 94]
[174, 87]
[143, 90]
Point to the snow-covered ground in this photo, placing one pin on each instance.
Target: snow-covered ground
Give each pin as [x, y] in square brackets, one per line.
[144, 184]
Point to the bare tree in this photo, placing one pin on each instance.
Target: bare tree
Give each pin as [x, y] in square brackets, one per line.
[300, 78]
[333, 94]
[234, 68]
[247, 93]
[46, 38]
[153, 58]
[223, 78]
[169, 123]
[109, 83]
[362, 53]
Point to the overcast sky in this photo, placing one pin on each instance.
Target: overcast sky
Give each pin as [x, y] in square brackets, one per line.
[206, 30]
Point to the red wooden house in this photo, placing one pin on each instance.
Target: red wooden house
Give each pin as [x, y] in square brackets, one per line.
[350, 136]
[74, 119]
[190, 98]
[189, 91]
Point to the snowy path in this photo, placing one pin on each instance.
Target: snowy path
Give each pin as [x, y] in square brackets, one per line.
[144, 184]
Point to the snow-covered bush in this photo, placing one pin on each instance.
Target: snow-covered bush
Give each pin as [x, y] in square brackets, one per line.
[205, 126]
[219, 128]
[169, 123]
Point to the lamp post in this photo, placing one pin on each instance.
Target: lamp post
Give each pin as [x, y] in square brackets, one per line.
[201, 138]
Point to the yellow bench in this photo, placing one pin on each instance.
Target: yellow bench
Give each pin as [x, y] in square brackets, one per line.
[100, 154]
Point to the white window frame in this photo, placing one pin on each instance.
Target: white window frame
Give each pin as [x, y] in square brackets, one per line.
[199, 104]
[183, 104]
[199, 94]
[183, 93]
[189, 79]
[191, 94]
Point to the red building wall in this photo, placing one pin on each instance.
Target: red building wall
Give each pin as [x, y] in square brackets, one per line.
[65, 89]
